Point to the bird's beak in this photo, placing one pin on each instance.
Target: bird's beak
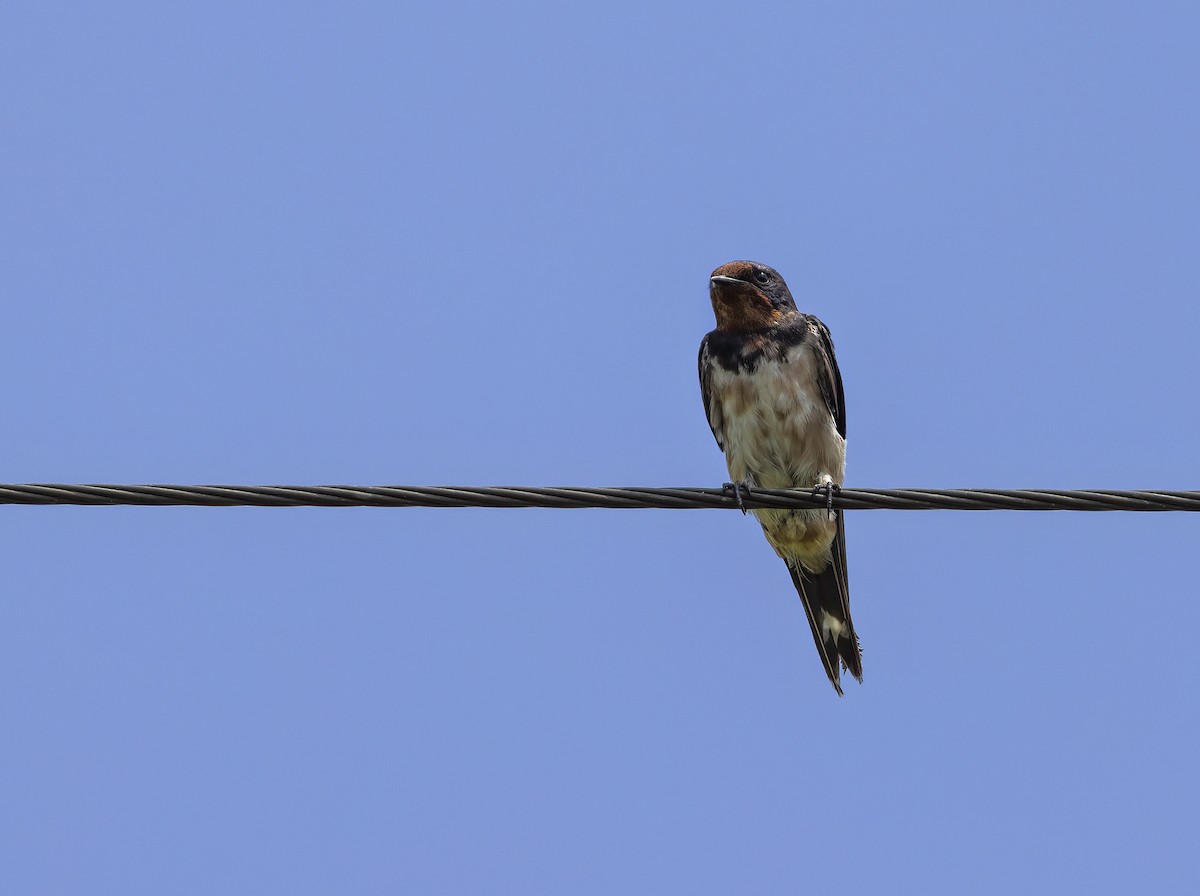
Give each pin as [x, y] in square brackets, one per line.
[721, 280]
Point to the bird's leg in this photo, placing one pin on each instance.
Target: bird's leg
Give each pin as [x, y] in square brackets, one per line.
[828, 486]
[737, 488]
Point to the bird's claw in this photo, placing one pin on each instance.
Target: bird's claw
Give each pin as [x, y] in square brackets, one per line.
[737, 488]
[828, 488]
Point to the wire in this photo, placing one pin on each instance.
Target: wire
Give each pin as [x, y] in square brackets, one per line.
[568, 497]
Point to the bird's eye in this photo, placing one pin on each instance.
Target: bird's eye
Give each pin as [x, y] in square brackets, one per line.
[762, 276]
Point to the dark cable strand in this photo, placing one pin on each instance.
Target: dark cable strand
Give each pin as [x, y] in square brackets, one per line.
[576, 497]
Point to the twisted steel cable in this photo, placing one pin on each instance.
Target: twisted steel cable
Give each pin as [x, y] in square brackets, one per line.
[613, 498]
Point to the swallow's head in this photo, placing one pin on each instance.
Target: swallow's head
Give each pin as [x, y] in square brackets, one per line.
[749, 296]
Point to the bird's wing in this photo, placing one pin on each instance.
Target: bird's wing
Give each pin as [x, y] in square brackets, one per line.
[829, 378]
[712, 410]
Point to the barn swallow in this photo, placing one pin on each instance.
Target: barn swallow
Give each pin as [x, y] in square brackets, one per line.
[773, 395]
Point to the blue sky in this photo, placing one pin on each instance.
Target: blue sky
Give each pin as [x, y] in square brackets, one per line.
[378, 243]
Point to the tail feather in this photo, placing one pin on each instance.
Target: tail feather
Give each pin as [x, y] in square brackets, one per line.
[826, 599]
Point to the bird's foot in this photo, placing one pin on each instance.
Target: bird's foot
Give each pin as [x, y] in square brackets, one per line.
[828, 487]
[737, 488]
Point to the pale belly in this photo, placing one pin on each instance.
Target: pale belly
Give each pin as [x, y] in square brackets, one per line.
[778, 433]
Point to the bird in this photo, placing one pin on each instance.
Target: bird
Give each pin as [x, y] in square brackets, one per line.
[773, 396]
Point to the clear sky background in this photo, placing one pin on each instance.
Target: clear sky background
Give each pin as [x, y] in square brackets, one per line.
[380, 243]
